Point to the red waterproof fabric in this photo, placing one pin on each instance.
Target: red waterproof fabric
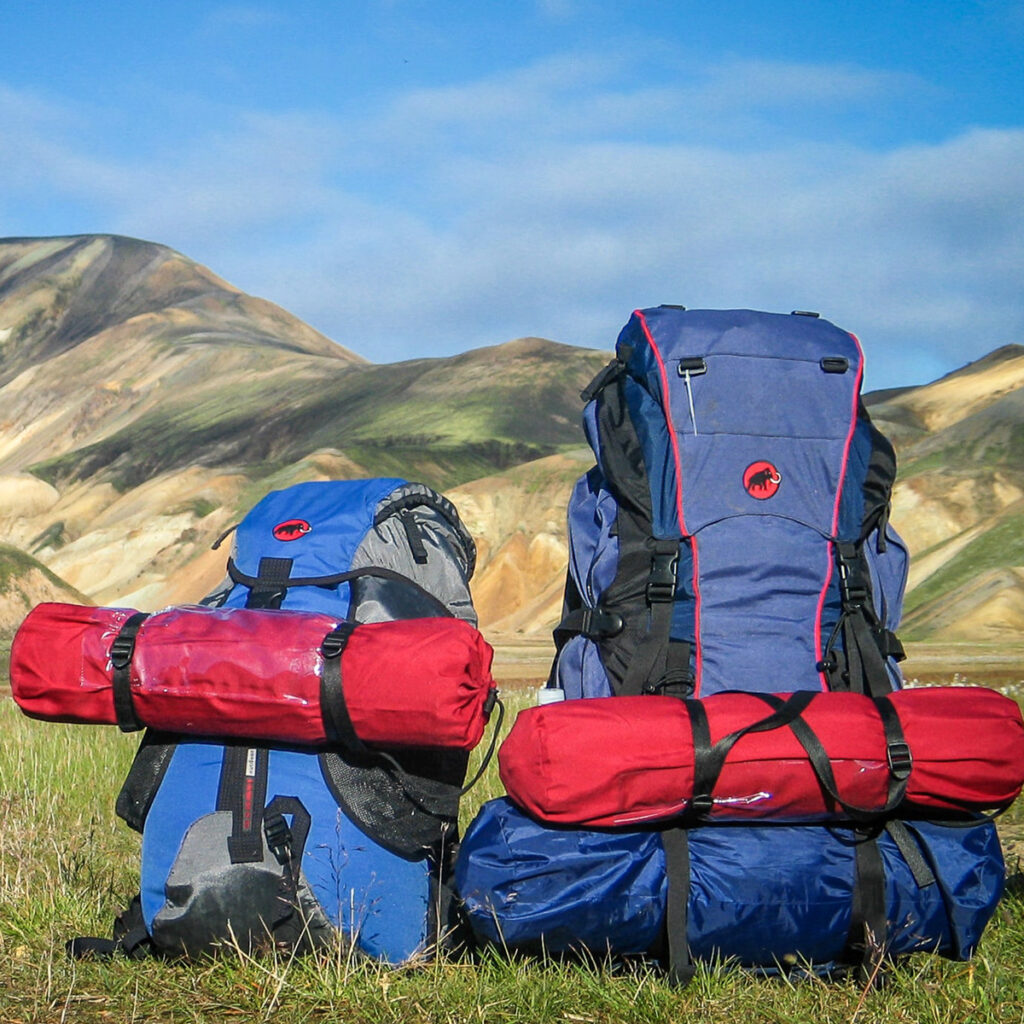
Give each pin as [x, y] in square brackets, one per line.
[256, 674]
[623, 760]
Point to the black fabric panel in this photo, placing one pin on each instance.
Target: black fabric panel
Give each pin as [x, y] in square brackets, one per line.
[377, 799]
[144, 777]
[121, 652]
[243, 792]
[379, 597]
[881, 475]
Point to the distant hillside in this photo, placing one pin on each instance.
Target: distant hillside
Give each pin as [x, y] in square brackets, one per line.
[24, 583]
[960, 498]
[144, 403]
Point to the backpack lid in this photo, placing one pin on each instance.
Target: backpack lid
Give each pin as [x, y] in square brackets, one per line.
[317, 526]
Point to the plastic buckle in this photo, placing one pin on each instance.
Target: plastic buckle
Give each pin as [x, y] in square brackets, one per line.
[701, 805]
[661, 584]
[334, 643]
[853, 588]
[490, 701]
[121, 651]
[900, 760]
[599, 623]
[279, 837]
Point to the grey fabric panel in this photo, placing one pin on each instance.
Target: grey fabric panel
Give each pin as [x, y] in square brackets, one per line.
[446, 571]
[211, 901]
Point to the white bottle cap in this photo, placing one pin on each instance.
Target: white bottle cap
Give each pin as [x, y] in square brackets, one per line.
[550, 695]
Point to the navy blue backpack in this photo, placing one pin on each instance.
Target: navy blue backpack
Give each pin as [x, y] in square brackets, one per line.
[253, 844]
[733, 535]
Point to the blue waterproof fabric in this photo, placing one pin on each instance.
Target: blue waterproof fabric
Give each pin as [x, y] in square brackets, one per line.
[759, 894]
[762, 563]
[377, 898]
[338, 513]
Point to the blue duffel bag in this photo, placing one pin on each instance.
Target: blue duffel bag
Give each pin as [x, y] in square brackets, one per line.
[764, 896]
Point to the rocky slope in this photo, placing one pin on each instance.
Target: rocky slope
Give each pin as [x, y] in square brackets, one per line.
[145, 403]
[960, 498]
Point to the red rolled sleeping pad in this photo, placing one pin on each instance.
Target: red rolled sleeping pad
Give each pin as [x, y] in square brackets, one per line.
[256, 674]
[741, 756]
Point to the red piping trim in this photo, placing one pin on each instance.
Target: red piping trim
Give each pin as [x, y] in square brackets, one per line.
[698, 653]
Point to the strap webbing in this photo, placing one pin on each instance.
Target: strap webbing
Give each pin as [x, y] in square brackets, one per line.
[709, 759]
[865, 943]
[650, 659]
[243, 792]
[271, 583]
[677, 868]
[287, 843]
[338, 725]
[121, 652]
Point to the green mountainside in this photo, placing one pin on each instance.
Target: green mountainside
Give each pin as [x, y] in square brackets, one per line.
[145, 403]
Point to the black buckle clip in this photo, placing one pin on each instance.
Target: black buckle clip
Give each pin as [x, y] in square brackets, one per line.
[900, 760]
[490, 701]
[121, 651]
[279, 837]
[853, 588]
[599, 623]
[334, 643]
[701, 805]
[661, 584]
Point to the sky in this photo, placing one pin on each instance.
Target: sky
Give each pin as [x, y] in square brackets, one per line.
[420, 177]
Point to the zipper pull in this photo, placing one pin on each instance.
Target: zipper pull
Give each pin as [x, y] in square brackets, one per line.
[692, 367]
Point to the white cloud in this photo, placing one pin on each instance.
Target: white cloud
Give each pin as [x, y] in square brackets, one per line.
[543, 202]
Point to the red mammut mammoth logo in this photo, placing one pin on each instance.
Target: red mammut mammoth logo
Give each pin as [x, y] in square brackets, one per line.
[761, 480]
[292, 529]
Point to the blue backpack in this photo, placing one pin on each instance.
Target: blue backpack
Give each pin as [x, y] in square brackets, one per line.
[734, 533]
[253, 844]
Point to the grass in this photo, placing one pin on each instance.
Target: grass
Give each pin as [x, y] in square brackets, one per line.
[67, 865]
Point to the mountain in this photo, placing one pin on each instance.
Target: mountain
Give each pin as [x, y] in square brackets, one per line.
[959, 500]
[146, 403]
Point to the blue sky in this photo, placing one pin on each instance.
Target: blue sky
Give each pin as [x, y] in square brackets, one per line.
[417, 178]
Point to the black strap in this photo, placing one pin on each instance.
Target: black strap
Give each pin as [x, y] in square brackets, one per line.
[121, 652]
[649, 663]
[271, 583]
[911, 853]
[594, 623]
[709, 759]
[130, 938]
[287, 843]
[865, 643]
[866, 940]
[338, 725]
[677, 868]
[604, 377]
[243, 792]
[414, 535]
